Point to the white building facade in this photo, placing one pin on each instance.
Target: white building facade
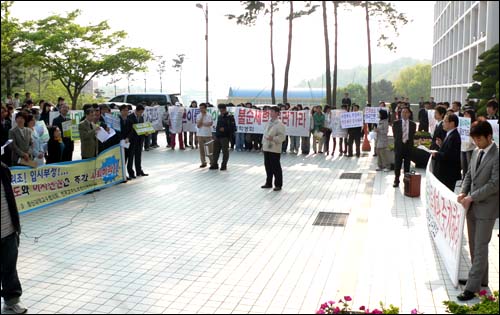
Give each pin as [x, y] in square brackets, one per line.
[463, 30]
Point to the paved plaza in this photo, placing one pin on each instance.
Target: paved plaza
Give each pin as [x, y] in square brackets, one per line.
[191, 240]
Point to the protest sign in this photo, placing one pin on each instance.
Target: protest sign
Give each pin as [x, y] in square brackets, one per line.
[112, 121]
[445, 221]
[351, 119]
[494, 125]
[143, 128]
[335, 124]
[36, 188]
[464, 128]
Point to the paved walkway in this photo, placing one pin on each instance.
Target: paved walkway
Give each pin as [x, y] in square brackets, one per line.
[190, 240]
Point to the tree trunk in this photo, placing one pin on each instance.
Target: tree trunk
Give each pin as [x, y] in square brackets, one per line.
[334, 88]
[273, 78]
[289, 55]
[8, 81]
[327, 54]
[369, 88]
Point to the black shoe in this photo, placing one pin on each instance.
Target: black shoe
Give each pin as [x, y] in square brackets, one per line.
[213, 167]
[277, 188]
[142, 174]
[131, 177]
[395, 185]
[203, 165]
[464, 282]
[146, 149]
[466, 296]
[266, 186]
[223, 168]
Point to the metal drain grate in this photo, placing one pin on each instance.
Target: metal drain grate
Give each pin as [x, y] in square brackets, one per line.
[351, 176]
[331, 219]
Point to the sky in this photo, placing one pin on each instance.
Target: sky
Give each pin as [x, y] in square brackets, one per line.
[239, 56]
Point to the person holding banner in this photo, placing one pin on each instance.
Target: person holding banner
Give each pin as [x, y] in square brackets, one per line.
[447, 159]
[11, 228]
[319, 123]
[136, 143]
[204, 123]
[480, 196]
[55, 146]
[69, 145]
[272, 140]
[355, 135]
[404, 132]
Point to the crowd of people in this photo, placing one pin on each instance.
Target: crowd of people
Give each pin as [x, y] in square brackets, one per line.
[476, 161]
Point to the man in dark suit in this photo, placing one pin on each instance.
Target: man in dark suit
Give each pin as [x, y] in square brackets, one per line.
[439, 132]
[69, 146]
[482, 203]
[492, 110]
[136, 143]
[346, 100]
[447, 161]
[404, 132]
[423, 118]
[11, 228]
[355, 135]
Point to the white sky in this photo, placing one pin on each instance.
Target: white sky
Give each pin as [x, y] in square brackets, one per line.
[239, 56]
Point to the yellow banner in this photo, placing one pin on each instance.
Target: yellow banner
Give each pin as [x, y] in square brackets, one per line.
[36, 188]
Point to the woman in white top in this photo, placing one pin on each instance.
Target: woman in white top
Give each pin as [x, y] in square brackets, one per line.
[466, 148]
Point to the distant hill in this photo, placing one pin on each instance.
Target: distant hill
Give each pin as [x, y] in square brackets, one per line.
[388, 71]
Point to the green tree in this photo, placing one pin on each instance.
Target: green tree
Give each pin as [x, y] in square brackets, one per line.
[486, 74]
[76, 54]
[12, 58]
[357, 93]
[383, 90]
[414, 81]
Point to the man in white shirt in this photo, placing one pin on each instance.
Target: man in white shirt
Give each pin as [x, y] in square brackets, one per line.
[204, 123]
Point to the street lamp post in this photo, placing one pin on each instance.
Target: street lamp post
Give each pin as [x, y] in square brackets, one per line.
[198, 5]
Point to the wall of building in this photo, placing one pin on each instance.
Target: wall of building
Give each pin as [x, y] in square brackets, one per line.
[463, 30]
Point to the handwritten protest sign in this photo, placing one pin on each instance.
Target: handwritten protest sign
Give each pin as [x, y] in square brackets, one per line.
[445, 221]
[351, 119]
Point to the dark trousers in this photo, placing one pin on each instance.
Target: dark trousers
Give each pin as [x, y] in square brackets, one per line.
[221, 144]
[167, 134]
[67, 153]
[154, 138]
[401, 154]
[284, 145]
[479, 232]
[342, 145]
[135, 152]
[354, 138]
[326, 143]
[450, 183]
[273, 168]
[147, 142]
[11, 287]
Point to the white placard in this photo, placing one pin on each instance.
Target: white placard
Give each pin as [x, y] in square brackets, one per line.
[494, 125]
[337, 130]
[445, 221]
[464, 128]
[351, 119]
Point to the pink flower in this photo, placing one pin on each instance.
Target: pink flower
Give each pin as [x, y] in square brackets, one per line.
[483, 292]
[376, 311]
[491, 298]
[347, 298]
[331, 302]
[324, 305]
[336, 310]
[414, 311]
[320, 312]
[362, 308]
